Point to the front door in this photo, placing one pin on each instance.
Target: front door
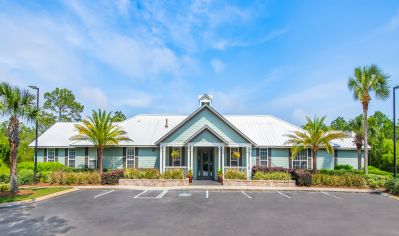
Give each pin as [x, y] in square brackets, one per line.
[205, 163]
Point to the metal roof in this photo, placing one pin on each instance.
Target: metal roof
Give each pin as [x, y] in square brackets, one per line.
[145, 130]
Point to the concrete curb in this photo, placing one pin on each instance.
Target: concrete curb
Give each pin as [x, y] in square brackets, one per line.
[34, 200]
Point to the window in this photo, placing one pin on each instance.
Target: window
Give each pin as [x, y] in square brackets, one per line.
[130, 158]
[263, 154]
[93, 158]
[177, 161]
[50, 155]
[234, 161]
[301, 160]
[71, 157]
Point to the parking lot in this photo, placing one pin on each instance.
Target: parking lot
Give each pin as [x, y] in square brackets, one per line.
[202, 212]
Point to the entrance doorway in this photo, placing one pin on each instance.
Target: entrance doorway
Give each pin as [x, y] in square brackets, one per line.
[205, 163]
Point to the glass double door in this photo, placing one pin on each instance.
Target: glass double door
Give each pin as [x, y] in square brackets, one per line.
[205, 163]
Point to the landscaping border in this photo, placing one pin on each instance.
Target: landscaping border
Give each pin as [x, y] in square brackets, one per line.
[154, 182]
[259, 183]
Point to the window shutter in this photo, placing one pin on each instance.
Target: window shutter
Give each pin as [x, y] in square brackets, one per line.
[136, 157]
[310, 166]
[86, 157]
[56, 155]
[124, 157]
[335, 158]
[269, 157]
[289, 159]
[170, 163]
[257, 157]
[66, 157]
[240, 159]
[45, 155]
[183, 156]
[228, 156]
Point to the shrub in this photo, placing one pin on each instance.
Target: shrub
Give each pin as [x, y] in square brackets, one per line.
[173, 174]
[4, 187]
[277, 175]
[377, 181]
[233, 174]
[302, 177]
[43, 166]
[142, 174]
[4, 174]
[392, 185]
[344, 167]
[44, 177]
[375, 171]
[111, 177]
[346, 180]
[59, 177]
[25, 176]
[269, 169]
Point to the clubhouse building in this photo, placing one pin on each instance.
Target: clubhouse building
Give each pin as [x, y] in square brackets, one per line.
[204, 142]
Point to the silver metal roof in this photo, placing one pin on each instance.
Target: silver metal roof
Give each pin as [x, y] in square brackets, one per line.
[145, 130]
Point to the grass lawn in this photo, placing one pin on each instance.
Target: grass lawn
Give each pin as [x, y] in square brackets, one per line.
[29, 193]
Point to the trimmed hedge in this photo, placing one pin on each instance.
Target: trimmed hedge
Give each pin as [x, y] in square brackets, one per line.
[343, 167]
[301, 177]
[233, 174]
[173, 174]
[112, 177]
[277, 175]
[375, 171]
[346, 180]
[377, 181]
[44, 166]
[59, 177]
[392, 186]
[25, 176]
[142, 174]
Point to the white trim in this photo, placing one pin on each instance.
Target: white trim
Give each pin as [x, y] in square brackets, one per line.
[301, 160]
[130, 159]
[206, 144]
[68, 157]
[48, 151]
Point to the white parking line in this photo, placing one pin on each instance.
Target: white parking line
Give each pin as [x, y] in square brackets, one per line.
[161, 194]
[138, 195]
[329, 194]
[102, 194]
[246, 194]
[285, 195]
[207, 194]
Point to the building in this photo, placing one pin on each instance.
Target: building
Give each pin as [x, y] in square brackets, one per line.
[204, 142]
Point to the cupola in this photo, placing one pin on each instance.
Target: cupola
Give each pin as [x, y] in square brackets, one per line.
[205, 99]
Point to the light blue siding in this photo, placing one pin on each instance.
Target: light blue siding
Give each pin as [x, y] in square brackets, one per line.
[148, 157]
[324, 160]
[113, 158]
[61, 155]
[348, 157]
[280, 157]
[205, 117]
[205, 137]
[40, 154]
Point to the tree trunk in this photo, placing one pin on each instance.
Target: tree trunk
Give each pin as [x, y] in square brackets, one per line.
[100, 153]
[13, 138]
[359, 158]
[365, 128]
[314, 160]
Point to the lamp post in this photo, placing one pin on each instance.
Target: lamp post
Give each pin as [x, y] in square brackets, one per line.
[37, 127]
[394, 131]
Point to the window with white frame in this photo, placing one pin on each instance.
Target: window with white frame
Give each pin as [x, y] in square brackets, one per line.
[177, 160]
[71, 157]
[130, 158]
[92, 158]
[301, 160]
[50, 155]
[263, 156]
[234, 161]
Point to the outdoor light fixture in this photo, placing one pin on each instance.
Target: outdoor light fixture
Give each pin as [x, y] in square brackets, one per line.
[37, 127]
[394, 131]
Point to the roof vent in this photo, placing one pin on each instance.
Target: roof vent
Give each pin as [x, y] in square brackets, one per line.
[205, 99]
[166, 123]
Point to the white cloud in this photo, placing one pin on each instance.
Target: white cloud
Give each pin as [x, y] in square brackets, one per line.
[217, 65]
[137, 99]
[394, 22]
[299, 116]
[94, 96]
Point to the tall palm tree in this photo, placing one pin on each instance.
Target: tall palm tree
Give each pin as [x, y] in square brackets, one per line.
[314, 136]
[368, 79]
[100, 130]
[356, 126]
[18, 105]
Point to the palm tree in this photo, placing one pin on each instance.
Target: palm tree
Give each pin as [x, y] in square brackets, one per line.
[100, 130]
[315, 135]
[356, 126]
[18, 105]
[368, 79]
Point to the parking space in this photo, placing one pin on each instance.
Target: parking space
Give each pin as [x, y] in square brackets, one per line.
[191, 212]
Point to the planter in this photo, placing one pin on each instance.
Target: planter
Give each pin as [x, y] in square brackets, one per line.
[260, 183]
[154, 182]
[220, 179]
[190, 179]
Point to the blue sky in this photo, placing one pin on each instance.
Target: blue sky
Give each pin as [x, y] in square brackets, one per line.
[284, 58]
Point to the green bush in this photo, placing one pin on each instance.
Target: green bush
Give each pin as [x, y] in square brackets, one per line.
[59, 177]
[345, 180]
[260, 175]
[44, 166]
[233, 174]
[392, 185]
[4, 174]
[344, 167]
[173, 174]
[377, 181]
[4, 187]
[25, 176]
[375, 171]
[142, 174]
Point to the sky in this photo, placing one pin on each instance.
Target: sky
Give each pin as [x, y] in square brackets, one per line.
[283, 58]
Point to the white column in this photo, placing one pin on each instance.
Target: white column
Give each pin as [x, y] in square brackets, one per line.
[249, 157]
[188, 158]
[191, 158]
[219, 156]
[223, 161]
[163, 159]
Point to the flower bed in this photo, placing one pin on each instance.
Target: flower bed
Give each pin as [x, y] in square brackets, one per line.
[259, 183]
[154, 182]
[153, 178]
